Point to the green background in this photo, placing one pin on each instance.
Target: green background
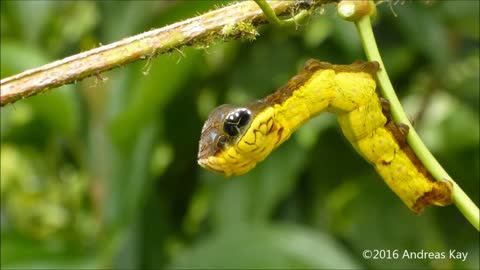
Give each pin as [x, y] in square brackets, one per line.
[103, 173]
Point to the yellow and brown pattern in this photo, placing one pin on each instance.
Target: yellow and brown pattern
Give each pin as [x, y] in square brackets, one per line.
[235, 139]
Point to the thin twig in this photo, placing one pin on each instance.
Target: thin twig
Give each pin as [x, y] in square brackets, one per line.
[271, 15]
[231, 22]
[466, 206]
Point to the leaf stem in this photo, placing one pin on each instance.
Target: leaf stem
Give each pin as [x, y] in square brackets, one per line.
[466, 206]
[273, 19]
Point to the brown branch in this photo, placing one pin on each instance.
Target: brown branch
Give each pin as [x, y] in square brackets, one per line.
[231, 22]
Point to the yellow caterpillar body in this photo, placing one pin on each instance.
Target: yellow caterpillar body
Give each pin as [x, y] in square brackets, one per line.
[235, 139]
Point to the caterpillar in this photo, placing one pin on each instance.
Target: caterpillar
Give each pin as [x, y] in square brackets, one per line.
[234, 139]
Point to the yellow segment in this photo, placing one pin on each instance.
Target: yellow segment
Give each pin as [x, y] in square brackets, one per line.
[379, 147]
[355, 89]
[360, 122]
[411, 186]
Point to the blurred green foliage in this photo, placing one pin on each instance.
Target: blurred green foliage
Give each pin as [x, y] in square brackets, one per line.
[103, 173]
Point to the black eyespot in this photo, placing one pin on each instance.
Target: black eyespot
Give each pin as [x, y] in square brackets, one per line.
[236, 121]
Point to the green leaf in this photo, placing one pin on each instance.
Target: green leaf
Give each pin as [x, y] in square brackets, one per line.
[462, 13]
[19, 252]
[423, 28]
[18, 56]
[57, 109]
[150, 92]
[254, 197]
[266, 247]
[358, 211]
[317, 31]
[30, 17]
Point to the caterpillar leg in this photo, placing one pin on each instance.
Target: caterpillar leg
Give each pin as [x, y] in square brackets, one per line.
[399, 130]
[386, 108]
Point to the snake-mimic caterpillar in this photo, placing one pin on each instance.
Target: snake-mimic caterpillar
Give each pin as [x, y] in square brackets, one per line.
[234, 139]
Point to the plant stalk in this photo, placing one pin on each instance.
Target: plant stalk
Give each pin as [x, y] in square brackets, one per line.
[466, 206]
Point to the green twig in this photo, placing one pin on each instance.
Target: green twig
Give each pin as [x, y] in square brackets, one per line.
[273, 19]
[461, 200]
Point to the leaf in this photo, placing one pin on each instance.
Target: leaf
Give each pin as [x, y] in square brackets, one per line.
[423, 28]
[462, 13]
[20, 252]
[57, 109]
[266, 247]
[317, 31]
[30, 17]
[150, 93]
[254, 197]
[354, 218]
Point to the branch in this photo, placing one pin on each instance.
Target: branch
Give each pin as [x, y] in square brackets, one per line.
[236, 21]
